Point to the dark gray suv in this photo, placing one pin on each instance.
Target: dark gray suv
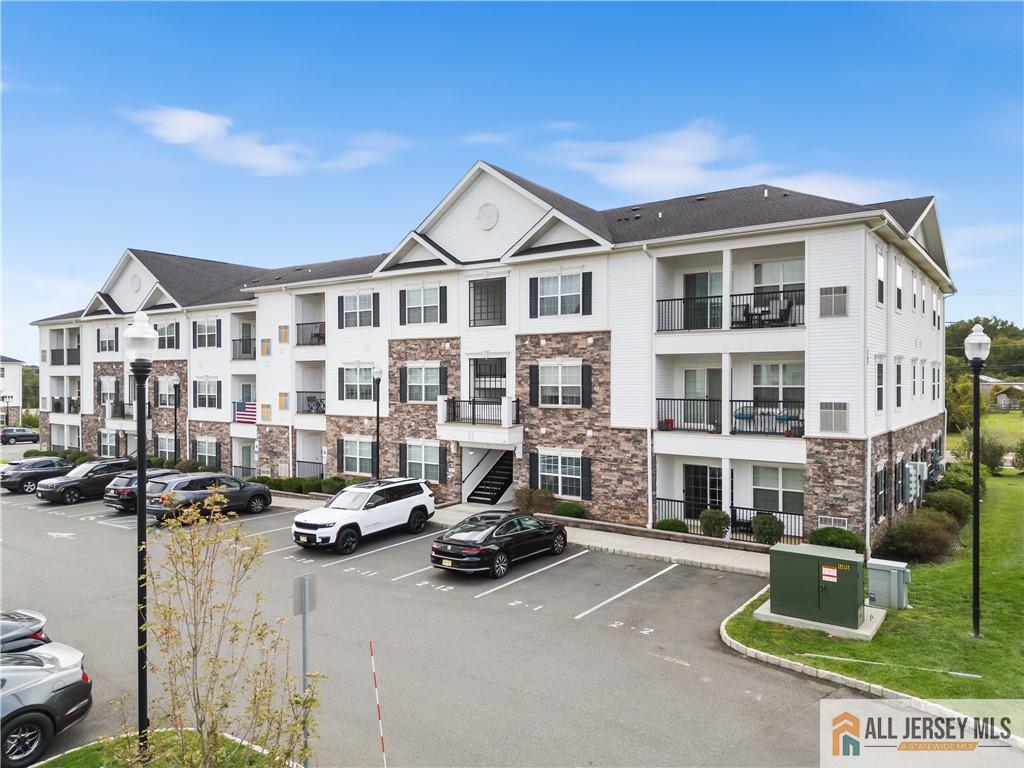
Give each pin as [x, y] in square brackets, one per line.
[167, 496]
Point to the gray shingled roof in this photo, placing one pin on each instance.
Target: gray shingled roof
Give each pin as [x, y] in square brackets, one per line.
[6, 359]
[323, 270]
[62, 316]
[194, 282]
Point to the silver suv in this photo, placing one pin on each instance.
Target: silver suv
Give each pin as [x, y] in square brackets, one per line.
[167, 496]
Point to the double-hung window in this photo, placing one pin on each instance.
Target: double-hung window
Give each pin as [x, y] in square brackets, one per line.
[165, 446]
[879, 386]
[880, 267]
[423, 383]
[108, 443]
[359, 310]
[833, 302]
[897, 496]
[107, 341]
[358, 455]
[164, 392]
[834, 417]
[915, 289]
[206, 393]
[560, 294]
[881, 494]
[422, 462]
[775, 276]
[359, 383]
[561, 474]
[107, 392]
[166, 336]
[776, 382]
[899, 385]
[206, 451]
[935, 308]
[206, 333]
[899, 286]
[778, 489]
[561, 384]
[421, 305]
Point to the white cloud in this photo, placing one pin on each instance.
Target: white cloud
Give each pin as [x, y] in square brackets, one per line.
[701, 157]
[367, 149]
[486, 137]
[210, 136]
[562, 125]
[970, 245]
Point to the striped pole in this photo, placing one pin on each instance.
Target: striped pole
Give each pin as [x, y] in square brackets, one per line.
[376, 693]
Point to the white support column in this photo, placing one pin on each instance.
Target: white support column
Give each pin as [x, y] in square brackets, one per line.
[507, 412]
[442, 408]
[727, 485]
[726, 288]
[726, 392]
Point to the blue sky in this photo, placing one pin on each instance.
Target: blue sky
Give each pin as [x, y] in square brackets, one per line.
[276, 134]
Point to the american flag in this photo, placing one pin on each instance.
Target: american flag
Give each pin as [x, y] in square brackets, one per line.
[245, 413]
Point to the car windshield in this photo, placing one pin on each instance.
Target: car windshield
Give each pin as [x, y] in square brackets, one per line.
[154, 487]
[471, 530]
[349, 499]
[82, 469]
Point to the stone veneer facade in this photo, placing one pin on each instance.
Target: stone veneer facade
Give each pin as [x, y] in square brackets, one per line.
[44, 430]
[219, 431]
[274, 450]
[618, 456]
[163, 416]
[12, 415]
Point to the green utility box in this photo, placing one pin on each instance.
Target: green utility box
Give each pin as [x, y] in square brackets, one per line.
[824, 584]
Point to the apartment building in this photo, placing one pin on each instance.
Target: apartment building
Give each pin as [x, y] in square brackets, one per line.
[754, 349]
[10, 391]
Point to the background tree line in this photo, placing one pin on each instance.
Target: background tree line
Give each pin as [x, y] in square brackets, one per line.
[1006, 361]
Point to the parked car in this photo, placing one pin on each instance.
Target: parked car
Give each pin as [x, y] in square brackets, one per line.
[22, 631]
[46, 690]
[167, 496]
[120, 492]
[25, 474]
[492, 541]
[86, 481]
[365, 508]
[12, 435]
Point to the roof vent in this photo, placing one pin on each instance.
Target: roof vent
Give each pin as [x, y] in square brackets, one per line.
[636, 217]
[659, 214]
[766, 191]
[701, 198]
[635, 208]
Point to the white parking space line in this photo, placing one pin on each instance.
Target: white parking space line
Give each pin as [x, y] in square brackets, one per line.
[412, 573]
[272, 530]
[626, 591]
[93, 512]
[531, 573]
[282, 549]
[379, 549]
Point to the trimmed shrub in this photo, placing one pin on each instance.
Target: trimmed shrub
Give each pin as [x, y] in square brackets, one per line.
[332, 485]
[535, 501]
[187, 465]
[945, 519]
[30, 420]
[714, 523]
[31, 453]
[570, 509]
[292, 484]
[837, 537]
[84, 458]
[155, 462]
[955, 502]
[922, 538]
[672, 524]
[990, 454]
[767, 529]
[311, 484]
[260, 479]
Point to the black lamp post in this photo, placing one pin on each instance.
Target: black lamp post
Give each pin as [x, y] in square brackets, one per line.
[7, 404]
[177, 396]
[141, 340]
[976, 349]
[377, 373]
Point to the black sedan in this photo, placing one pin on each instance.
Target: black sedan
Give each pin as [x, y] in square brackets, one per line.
[492, 541]
[22, 630]
[24, 475]
[120, 493]
[86, 481]
[46, 691]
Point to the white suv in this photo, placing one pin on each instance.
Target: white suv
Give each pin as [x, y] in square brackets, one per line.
[365, 508]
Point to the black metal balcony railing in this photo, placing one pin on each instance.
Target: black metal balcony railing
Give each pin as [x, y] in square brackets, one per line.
[56, 357]
[310, 334]
[74, 405]
[767, 309]
[122, 410]
[57, 405]
[74, 356]
[689, 414]
[478, 411]
[311, 402]
[696, 313]
[243, 473]
[768, 417]
[679, 510]
[243, 349]
[309, 469]
[741, 526]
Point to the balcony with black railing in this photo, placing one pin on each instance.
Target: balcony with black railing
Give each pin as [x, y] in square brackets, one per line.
[768, 417]
[697, 313]
[767, 309]
[56, 357]
[309, 469]
[74, 405]
[243, 349]
[689, 414]
[123, 410]
[57, 405]
[478, 412]
[311, 402]
[74, 356]
[740, 519]
[310, 334]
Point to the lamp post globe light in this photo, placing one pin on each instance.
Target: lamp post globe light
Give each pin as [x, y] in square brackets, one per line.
[377, 373]
[976, 349]
[140, 342]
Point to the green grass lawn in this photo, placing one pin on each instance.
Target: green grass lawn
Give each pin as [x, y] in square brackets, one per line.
[936, 632]
[102, 756]
[1007, 427]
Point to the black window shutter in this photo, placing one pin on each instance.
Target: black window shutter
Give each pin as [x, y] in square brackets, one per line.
[442, 380]
[375, 458]
[401, 307]
[97, 339]
[217, 456]
[218, 332]
[403, 384]
[588, 292]
[587, 386]
[195, 394]
[218, 393]
[442, 299]
[341, 383]
[533, 296]
[341, 455]
[195, 335]
[341, 311]
[534, 385]
[177, 335]
[403, 458]
[99, 442]
[192, 452]
[117, 390]
[376, 309]
[534, 470]
[99, 389]
[585, 493]
[115, 339]
[442, 465]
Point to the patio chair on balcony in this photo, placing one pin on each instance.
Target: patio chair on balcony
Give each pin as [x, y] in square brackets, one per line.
[741, 316]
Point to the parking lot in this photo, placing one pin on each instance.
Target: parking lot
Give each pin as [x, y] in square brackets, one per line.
[584, 658]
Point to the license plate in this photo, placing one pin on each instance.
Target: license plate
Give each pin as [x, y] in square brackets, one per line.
[308, 538]
[447, 563]
[39, 494]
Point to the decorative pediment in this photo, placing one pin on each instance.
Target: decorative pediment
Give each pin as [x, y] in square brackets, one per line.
[554, 233]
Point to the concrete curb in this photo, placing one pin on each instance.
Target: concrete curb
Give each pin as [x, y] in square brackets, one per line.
[871, 689]
[678, 560]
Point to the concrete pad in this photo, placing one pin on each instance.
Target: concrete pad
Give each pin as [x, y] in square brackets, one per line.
[873, 618]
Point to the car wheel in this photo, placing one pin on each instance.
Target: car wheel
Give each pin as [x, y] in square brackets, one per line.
[499, 566]
[558, 544]
[256, 505]
[348, 540]
[11, 441]
[72, 496]
[417, 521]
[28, 486]
[26, 738]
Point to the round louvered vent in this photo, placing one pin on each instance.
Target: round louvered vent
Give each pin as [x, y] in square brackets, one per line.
[487, 216]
